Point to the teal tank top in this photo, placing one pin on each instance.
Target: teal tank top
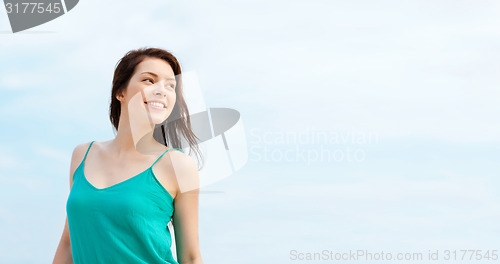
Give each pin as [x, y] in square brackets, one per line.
[124, 223]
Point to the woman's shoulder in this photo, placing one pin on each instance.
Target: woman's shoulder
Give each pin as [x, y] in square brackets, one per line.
[77, 158]
[185, 169]
[80, 149]
[178, 157]
[181, 162]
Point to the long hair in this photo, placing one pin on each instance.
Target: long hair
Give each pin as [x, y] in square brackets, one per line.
[179, 124]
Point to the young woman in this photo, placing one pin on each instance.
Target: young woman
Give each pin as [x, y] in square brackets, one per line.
[124, 192]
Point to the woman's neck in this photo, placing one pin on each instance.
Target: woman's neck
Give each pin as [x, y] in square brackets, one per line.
[142, 143]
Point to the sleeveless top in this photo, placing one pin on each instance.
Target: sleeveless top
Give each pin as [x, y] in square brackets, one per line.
[124, 223]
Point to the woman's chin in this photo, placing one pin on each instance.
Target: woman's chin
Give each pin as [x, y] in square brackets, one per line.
[158, 120]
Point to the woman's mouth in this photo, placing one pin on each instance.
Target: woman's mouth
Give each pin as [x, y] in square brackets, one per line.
[156, 105]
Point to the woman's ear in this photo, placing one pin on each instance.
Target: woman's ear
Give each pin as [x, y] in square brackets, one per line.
[119, 96]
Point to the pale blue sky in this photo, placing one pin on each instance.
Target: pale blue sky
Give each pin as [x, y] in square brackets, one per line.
[420, 76]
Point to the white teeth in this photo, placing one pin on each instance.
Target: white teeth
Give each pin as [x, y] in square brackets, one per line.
[156, 104]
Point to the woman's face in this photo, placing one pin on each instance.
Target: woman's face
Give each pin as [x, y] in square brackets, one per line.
[150, 94]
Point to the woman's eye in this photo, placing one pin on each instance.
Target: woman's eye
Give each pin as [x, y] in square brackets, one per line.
[148, 79]
[171, 86]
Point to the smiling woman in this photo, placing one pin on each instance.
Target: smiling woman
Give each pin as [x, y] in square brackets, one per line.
[126, 191]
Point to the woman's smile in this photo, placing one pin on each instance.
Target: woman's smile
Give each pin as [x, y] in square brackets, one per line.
[156, 105]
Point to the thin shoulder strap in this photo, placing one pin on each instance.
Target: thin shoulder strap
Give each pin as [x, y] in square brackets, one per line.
[84, 158]
[164, 154]
[160, 157]
[178, 149]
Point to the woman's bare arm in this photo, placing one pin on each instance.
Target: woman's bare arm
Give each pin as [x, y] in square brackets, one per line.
[63, 253]
[185, 218]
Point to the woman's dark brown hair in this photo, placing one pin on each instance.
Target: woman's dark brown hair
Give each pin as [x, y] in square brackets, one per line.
[177, 127]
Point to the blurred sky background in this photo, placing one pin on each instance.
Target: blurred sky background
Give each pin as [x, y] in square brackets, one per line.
[371, 125]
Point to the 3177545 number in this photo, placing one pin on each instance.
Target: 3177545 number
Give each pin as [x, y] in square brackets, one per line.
[33, 7]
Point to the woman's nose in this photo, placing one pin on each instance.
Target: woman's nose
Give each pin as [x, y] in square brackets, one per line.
[159, 90]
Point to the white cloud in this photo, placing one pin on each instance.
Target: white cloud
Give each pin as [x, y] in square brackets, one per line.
[52, 153]
[7, 159]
